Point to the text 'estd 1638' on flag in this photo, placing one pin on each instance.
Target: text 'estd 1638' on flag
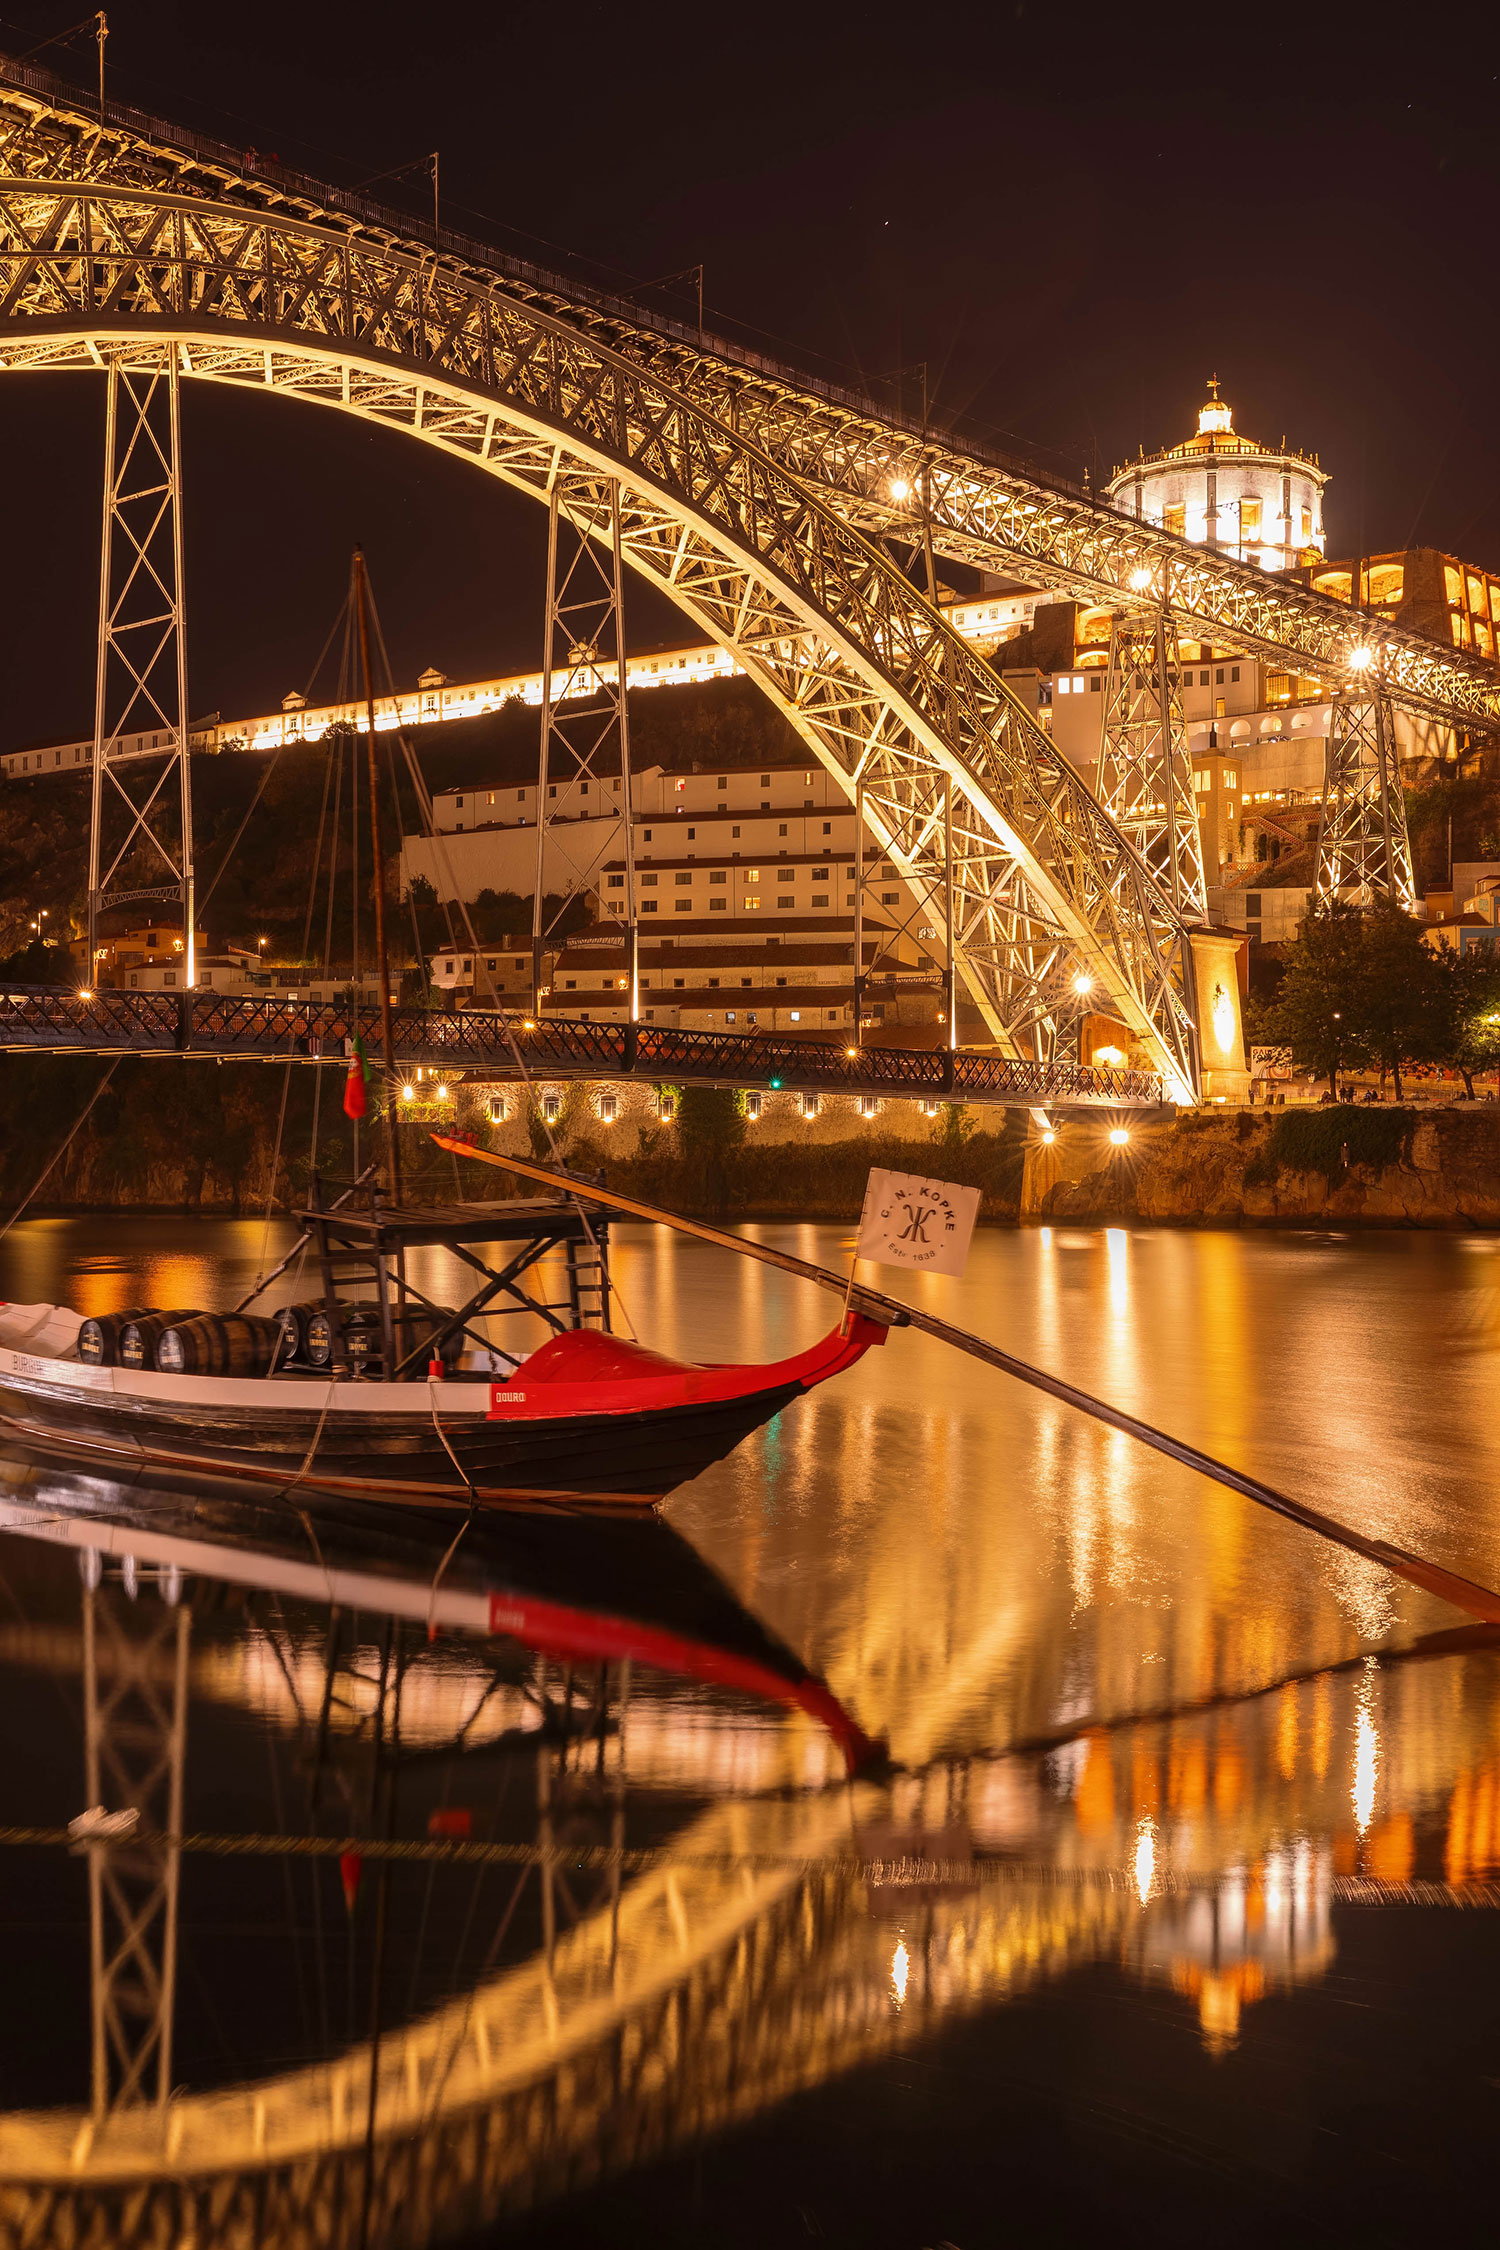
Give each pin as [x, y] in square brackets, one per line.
[922, 1224]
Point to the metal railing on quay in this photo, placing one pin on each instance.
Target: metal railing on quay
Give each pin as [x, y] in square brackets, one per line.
[46, 1019]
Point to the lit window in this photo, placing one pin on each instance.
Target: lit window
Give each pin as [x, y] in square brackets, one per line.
[752, 874]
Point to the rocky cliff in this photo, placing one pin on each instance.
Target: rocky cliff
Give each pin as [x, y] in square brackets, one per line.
[1375, 1167]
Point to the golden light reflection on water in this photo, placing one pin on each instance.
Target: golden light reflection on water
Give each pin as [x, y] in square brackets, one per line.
[1009, 1592]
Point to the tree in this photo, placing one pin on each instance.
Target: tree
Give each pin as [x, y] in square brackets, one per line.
[1471, 1012]
[1400, 1003]
[710, 1127]
[1317, 1011]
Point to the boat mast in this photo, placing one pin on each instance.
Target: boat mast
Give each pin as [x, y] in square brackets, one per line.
[387, 1032]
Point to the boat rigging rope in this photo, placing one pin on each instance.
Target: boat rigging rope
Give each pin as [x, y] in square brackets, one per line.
[434, 836]
[58, 1153]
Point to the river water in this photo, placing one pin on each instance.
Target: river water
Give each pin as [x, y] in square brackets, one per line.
[1202, 1940]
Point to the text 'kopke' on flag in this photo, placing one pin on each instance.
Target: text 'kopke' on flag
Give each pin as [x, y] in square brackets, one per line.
[921, 1224]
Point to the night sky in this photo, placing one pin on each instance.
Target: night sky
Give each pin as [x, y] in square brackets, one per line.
[1073, 217]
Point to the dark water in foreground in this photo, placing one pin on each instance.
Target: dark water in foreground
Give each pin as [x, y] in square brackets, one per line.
[1212, 1952]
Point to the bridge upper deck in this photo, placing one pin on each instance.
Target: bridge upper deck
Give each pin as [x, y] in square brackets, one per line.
[985, 507]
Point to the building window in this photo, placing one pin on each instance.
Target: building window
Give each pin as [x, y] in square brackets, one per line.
[734, 832]
[648, 882]
[1234, 672]
[751, 905]
[718, 906]
[683, 880]
[781, 831]
[752, 874]
[682, 906]
[889, 898]
[617, 882]
[828, 827]
[729, 1015]
[719, 875]
[648, 906]
[1094, 685]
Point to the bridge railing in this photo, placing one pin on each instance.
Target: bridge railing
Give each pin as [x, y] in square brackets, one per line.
[49, 1019]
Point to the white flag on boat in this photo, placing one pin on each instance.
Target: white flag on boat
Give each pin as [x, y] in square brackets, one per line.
[923, 1224]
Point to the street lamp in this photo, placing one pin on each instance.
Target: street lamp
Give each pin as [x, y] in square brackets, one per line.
[1083, 984]
[1360, 659]
[1118, 1136]
[900, 491]
[1140, 579]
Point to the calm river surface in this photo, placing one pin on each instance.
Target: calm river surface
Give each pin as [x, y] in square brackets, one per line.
[1212, 1946]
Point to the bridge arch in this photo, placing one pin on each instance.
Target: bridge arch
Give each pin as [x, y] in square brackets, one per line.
[872, 678]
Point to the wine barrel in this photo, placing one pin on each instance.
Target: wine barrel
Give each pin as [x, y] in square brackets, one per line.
[138, 1338]
[294, 1322]
[218, 1344]
[99, 1338]
[361, 1325]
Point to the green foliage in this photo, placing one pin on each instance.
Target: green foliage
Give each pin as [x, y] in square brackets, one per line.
[1366, 989]
[954, 1126]
[1315, 1011]
[1314, 1140]
[1399, 992]
[41, 963]
[1471, 1004]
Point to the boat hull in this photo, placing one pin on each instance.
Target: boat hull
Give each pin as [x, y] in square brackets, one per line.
[641, 1456]
[587, 1416]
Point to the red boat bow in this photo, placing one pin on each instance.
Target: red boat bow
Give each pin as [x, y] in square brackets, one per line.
[587, 1372]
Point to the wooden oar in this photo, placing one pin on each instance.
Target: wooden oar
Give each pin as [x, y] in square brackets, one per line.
[1475, 1601]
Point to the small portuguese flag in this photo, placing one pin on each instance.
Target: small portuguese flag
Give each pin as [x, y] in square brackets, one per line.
[360, 1081]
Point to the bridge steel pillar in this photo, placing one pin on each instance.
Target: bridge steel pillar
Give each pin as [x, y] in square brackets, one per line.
[1364, 851]
[141, 811]
[135, 1678]
[1145, 767]
[583, 773]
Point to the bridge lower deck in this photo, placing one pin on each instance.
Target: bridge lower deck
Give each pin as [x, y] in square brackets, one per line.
[492, 1046]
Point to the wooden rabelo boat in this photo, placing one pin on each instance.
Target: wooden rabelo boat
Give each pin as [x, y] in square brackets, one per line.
[373, 1383]
[589, 1585]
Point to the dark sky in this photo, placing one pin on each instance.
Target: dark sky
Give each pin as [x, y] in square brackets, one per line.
[1072, 215]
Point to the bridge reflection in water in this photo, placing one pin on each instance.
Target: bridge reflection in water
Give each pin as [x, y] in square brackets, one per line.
[768, 1942]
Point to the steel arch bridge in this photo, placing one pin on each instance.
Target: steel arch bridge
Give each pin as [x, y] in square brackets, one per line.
[94, 271]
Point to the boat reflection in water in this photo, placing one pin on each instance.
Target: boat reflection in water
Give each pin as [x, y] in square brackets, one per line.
[656, 1946]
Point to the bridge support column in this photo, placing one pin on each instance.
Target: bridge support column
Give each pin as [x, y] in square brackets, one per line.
[135, 1665]
[1145, 767]
[141, 815]
[1214, 958]
[1364, 852]
[585, 810]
